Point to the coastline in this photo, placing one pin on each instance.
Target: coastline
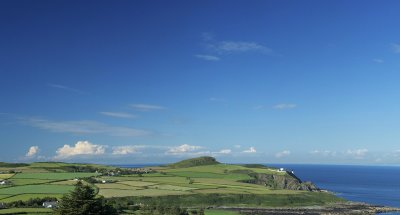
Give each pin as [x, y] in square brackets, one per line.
[346, 208]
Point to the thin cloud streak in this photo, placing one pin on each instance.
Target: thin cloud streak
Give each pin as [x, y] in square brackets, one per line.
[282, 154]
[146, 107]
[284, 106]
[84, 127]
[66, 88]
[208, 57]
[119, 115]
[396, 47]
[230, 47]
[376, 60]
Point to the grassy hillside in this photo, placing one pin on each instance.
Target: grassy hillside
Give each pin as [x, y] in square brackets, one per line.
[200, 161]
[198, 182]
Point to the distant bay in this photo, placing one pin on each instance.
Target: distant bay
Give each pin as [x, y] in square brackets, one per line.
[378, 185]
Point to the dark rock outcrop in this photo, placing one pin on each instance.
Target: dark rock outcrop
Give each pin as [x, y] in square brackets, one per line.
[286, 181]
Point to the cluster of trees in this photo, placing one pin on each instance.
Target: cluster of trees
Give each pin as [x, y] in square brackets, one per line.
[168, 210]
[31, 203]
[83, 201]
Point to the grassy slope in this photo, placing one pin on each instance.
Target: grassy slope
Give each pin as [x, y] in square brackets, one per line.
[202, 179]
[42, 179]
[204, 182]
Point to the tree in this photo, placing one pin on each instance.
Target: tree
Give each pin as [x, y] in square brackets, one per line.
[82, 201]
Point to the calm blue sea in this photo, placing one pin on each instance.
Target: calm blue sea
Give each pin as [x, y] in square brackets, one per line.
[378, 185]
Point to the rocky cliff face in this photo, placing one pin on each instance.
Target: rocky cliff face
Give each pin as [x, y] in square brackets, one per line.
[287, 181]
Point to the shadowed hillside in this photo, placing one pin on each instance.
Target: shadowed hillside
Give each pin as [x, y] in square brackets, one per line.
[200, 161]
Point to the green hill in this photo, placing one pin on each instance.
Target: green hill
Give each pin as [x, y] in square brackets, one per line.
[197, 182]
[200, 161]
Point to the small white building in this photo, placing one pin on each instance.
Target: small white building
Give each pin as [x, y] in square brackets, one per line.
[3, 182]
[50, 204]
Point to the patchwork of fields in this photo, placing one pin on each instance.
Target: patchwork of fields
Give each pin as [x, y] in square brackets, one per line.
[218, 178]
[53, 180]
[24, 186]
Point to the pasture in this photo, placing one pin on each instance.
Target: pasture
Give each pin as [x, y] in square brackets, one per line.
[27, 211]
[5, 176]
[53, 176]
[36, 189]
[208, 185]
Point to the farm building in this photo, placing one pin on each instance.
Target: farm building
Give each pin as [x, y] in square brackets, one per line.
[50, 204]
[2, 205]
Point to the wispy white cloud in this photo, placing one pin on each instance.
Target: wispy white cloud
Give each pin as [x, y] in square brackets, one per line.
[282, 154]
[124, 150]
[147, 107]
[376, 60]
[258, 107]
[357, 153]
[84, 127]
[119, 115]
[208, 57]
[224, 151]
[225, 47]
[324, 152]
[79, 149]
[33, 150]
[396, 47]
[214, 99]
[182, 149]
[207, 36]
[284, 106]
[250, 150]
[66, 88]
[230, 47]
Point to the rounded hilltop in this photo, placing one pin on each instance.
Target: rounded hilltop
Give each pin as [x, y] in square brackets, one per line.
[199, 161]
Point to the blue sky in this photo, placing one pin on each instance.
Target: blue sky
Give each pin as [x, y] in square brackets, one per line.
[259, 81]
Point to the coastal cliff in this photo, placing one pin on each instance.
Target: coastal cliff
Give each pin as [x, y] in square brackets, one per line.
[286, 180]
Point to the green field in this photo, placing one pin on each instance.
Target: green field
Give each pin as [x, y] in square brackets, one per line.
[220, 212]
[26, 197]
[5, 176]
[32, 211]
[33, 189]
[211, 184]
[53, 176]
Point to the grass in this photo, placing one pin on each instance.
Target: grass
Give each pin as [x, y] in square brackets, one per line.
[32, 211]
[117, 186]
[211, 175]
[204, 185]
[222, 169]
[53, 176]
[171, 187]
[25, 197]
[143, 192]
[220, 212]
[23, 181]
[6, 176]
[36, 189]
[137, 183]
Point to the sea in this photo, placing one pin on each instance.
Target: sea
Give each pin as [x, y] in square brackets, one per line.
[378, 185]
